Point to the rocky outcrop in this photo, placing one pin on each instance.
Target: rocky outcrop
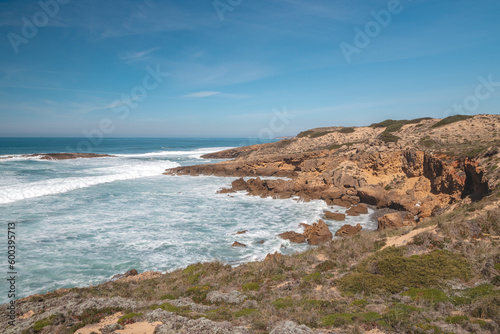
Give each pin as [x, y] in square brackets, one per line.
[318, 233]
[395, 220]
[232, 297]
[387, 175]
[293, 237]
[334, 216]
[276, 257]
[348, 230]
[129, 273]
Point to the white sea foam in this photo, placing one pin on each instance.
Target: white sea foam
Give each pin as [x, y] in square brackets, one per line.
[121, 172]
[195, 154]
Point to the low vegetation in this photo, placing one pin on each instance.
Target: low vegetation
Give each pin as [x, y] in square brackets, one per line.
[451, 119]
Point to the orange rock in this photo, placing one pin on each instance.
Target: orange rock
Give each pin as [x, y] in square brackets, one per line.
[348, 230]
[293, 237]
[318, 233]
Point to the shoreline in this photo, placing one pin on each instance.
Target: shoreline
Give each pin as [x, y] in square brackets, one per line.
[423, 199]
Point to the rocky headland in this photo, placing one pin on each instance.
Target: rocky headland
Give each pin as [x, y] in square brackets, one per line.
[433, 265]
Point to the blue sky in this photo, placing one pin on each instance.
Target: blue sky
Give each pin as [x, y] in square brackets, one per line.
[231, 68]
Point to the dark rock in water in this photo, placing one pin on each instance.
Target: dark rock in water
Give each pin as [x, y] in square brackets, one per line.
[293, 237]
[129, 273]
[334, 216]
[348, 230]
[261, 242]
[358, 209]
[239, 185]
[242, 232]
[225, 191]
[238, 244]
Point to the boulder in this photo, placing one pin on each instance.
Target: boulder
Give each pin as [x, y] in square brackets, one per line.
[318, 233]
[348, 230]
[358, 209]
[242, 232]
[239, 184]
[394, 220]
[238, 244]
[334, 216]
[293, 237]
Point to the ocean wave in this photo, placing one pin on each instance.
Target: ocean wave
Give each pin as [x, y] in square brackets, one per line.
[195, 154]
[14, 193]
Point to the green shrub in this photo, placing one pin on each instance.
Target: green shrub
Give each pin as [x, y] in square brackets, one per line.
[458, 319]
[40, 324]
[199, 293]
[281, 303]
[251, 286]
[245, 312]
[315, 277]
[128, 316]
[305, 133]
[389, 137]
[347, 130]
[389, 270]
[451, 119]
[319, 134]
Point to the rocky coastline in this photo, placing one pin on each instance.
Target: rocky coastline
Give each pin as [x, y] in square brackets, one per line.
[433, 265]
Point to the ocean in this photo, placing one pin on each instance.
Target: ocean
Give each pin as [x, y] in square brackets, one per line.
[80, 222]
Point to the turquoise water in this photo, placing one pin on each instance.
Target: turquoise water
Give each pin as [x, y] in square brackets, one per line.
[79, 222]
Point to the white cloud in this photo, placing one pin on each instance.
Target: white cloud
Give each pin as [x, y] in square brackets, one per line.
[134, 56]
[201, 94]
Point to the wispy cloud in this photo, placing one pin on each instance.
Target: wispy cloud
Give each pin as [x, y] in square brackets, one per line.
[136, 56]
[201, 94]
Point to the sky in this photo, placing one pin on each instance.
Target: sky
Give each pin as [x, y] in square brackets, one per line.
[241, 68]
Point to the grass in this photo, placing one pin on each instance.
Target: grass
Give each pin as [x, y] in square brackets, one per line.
[451, 119]
[432, 295]
[251, 286]
[342, 319]
[245, 312]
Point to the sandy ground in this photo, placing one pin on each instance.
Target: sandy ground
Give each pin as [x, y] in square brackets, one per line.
[404, 239]
[136, 328]
[104, 322]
